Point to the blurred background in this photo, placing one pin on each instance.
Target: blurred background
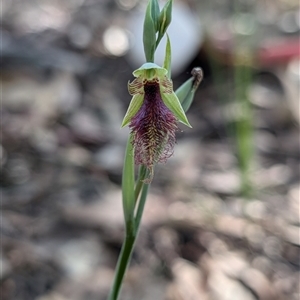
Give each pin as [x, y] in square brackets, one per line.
[222, 218]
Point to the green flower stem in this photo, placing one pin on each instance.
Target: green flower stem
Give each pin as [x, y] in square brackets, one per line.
[139, 183]
[132, 228]
[140, 208]
[122, 264]
[127, 247]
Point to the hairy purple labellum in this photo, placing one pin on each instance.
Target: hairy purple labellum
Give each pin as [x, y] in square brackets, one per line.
[152, 115]
[153, 128]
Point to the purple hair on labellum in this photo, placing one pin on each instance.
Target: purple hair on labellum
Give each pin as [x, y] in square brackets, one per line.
[153, 128]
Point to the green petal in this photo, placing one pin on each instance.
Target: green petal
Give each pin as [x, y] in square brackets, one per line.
[136, 86]
[134, 106]
[172, 102]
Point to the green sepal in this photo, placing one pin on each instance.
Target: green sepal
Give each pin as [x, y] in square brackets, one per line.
[134, 106]
[172, 102]
[168, 57]
[157, 71]
[146, 66]
[149, 34]
[165, 19]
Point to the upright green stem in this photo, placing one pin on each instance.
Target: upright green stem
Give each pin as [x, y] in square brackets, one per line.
[244, 127]
[122, 264]
[139, 184]
[132, 228]
[141, 206]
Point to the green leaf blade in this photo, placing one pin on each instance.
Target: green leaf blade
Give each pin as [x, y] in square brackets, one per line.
[187, 90]
[149, 34]
[155, 12]
[165, 19]
[168, 57]
[184, 90]
[128, 193]
[188, 101]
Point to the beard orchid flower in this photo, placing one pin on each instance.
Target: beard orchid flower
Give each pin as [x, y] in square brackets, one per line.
[152, 116]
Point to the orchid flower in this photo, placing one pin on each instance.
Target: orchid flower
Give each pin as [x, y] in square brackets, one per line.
[152, 116]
